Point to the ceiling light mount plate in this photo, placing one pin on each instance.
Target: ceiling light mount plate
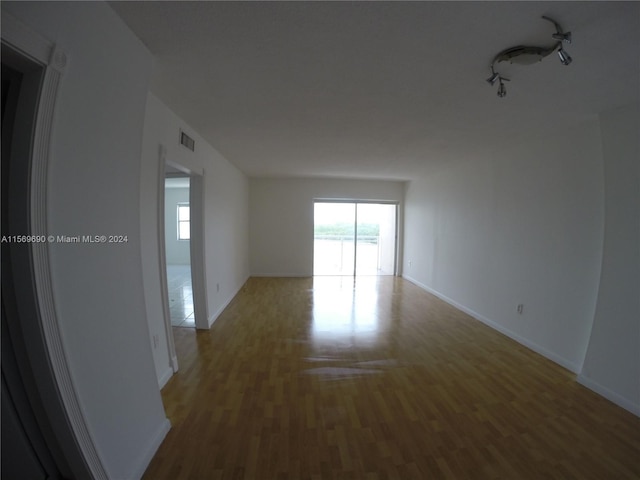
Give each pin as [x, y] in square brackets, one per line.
[524, 55]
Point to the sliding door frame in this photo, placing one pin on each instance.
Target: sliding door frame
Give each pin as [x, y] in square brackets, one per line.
[354, 202]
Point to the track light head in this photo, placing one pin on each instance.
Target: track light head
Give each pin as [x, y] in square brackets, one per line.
[565, 58]
[502, 91]
[493, 78]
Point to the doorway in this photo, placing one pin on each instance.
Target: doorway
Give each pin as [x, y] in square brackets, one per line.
[29, 448]
[44, 434]
[192, 225]
[177, 250]
[195, 230]
[354, 238]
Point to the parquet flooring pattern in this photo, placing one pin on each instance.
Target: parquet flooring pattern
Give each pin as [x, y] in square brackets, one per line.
[374, 378]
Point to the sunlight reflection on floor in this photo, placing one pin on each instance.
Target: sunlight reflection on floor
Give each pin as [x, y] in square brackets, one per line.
[345, 311]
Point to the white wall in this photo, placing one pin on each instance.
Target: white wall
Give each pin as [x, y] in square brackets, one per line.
[94, 180]
[177, 251]
[226, 219]
[612, 364]
[281, 218]
[523, 226]
[388, 225]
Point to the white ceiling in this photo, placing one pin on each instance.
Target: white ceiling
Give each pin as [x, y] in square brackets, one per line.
[379, 89]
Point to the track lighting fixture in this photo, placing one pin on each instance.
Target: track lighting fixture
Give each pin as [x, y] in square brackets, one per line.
[565, 59]
[527, 55]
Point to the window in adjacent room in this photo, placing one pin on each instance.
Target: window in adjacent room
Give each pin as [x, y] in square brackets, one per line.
[183, 222]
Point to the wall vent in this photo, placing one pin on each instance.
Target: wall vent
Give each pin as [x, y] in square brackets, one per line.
[187, 141]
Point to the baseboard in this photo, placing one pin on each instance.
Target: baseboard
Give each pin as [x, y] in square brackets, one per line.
[214, 317]
[563, 362]
[610, 395]
[174, 362]
[164, 378]
[155, 443]
[281, 275]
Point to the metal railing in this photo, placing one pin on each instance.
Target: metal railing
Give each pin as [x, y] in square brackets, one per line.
[373, 239]
[334, 254]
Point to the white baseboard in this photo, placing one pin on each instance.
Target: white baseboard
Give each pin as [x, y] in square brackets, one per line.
[155, 443]
[217, 313]
[174, 362]
[281, 275]
[563, 362]
[610, 395]
[164, 378]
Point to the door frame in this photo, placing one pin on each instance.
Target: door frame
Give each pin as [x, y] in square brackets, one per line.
[162, 260]
[197, 250]
[196, 246]
[41, 330]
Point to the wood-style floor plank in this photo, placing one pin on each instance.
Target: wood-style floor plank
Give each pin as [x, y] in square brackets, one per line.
[327, 378]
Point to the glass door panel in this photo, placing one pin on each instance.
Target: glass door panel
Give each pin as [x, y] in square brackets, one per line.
[334, 238]
[376, 239]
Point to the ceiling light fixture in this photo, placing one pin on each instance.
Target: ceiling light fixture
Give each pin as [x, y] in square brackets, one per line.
[528, 55]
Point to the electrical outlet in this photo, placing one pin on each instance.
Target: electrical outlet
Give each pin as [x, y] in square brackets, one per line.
[217, 287]
[520, 308]
[156, 341]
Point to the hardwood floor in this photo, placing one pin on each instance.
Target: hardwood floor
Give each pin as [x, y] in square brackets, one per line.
[321, 379]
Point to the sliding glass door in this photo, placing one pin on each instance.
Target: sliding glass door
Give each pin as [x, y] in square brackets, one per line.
[354, 238]
[334, 238]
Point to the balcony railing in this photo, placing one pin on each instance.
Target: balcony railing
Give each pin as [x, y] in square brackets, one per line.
[334, 254]
[348, 238]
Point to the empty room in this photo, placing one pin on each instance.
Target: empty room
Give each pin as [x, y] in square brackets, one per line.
[320, 240]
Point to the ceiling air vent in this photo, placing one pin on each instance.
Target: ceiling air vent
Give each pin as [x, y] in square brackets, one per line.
[187, 141]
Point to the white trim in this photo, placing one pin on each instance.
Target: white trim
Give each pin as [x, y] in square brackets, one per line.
[196, 243]
[155, 443]
[165, 377]
[174, 360]
[58, 60]
[54, 61]
[218, 312]
[162, 260]
[28, 42]
[610, 395]
[197, 250]
[563, 362]
[290, 275]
